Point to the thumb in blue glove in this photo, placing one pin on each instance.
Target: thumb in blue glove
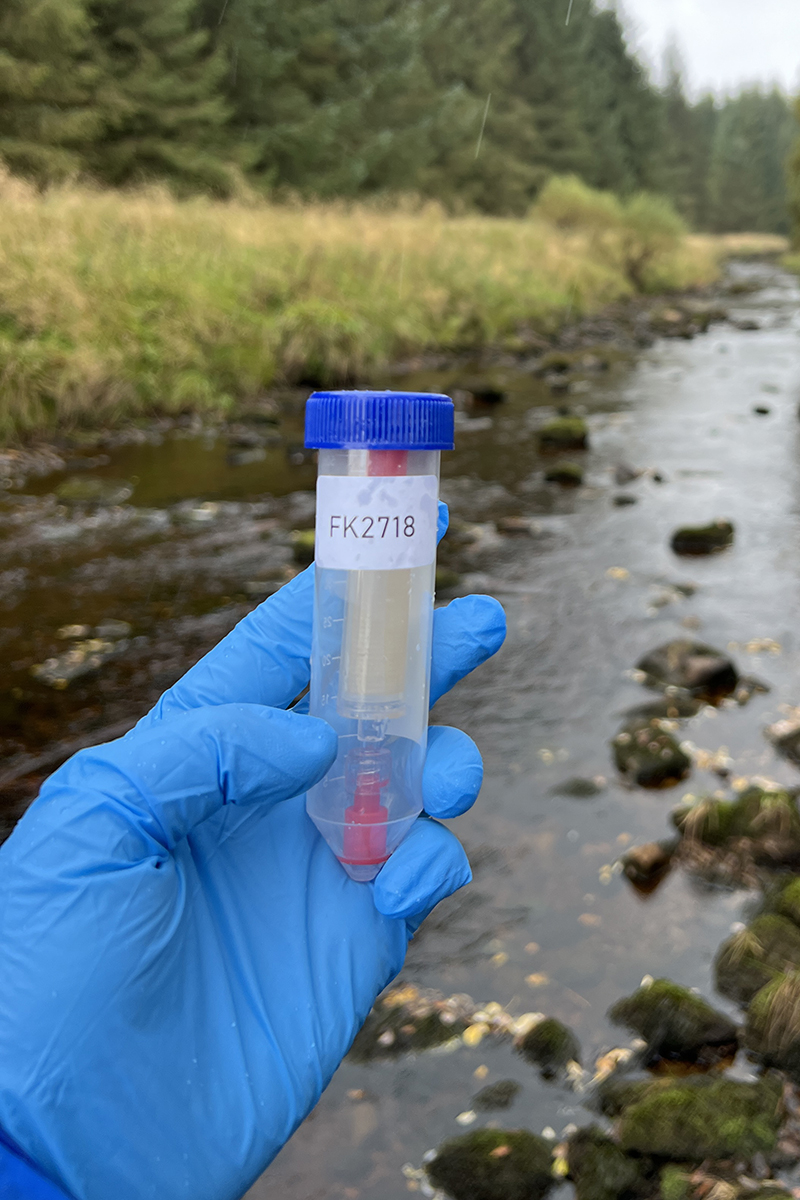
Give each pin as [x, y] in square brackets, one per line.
[185, 962]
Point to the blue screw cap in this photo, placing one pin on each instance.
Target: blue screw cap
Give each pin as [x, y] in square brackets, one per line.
[379, 421]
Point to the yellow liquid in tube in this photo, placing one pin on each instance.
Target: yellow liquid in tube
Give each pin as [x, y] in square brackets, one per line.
[372, 677]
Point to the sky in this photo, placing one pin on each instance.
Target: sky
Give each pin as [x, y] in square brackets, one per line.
[723, 43]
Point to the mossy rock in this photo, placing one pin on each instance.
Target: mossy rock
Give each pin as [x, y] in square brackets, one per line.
[773, 1024]
[579, 788]
[697, 540]
[675, 1183]
[649, 755]
[787, 902]
[568, 474]
[387, 1034]
[550, 1045]
[763, 821]
[749, 960]
[702, 1117]
[564, 433]
[677, 1025]
[693, 666]
[497, 1095]
[601, 1171]
[493, 1164]
[303, 546]
[559, 361]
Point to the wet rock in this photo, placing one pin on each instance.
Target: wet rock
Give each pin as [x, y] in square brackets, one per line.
[493, 1164]
[408, 1019]
[773, 1024]
[556, 361]
[750, 959]
[677, 1025]
[486, 394]
[646, 866]
[564, 433]
[746, 325]
[82, 658]
[550, 1046]
[243, 458]
[697, 540]
[701, 1117]
[557, 383]
[761, 410]
[303, 546]
[579, 788]
[649, 755]
[624, 474]
[568, 474]
[517, 526]
[83, 489]
[496, 1096]
[761, 824]
[785, 737]
[624, 501]
[600, 1170]
[695, 667]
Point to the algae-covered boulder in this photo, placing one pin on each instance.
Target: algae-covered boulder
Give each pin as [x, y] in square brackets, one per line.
[649, 755]
[600, 1170]
[496, 1095]
[761, 823]
[773, 1023]
[550, 1046]
[677, 1025]
[493, 1164]
[699, 669]
[568, 474]
[702, 1117]
[564, 433]
[750, 959]
[674, 1183]
[696, 540]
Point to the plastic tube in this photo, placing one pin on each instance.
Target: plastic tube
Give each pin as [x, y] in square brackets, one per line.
[373, 613]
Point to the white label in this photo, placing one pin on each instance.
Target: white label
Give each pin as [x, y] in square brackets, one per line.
[380, 523]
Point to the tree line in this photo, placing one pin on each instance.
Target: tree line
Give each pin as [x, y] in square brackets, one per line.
[475, 103]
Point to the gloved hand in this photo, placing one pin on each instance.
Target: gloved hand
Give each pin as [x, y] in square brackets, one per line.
[184, 962]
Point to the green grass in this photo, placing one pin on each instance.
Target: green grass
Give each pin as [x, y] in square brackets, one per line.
[117, 305]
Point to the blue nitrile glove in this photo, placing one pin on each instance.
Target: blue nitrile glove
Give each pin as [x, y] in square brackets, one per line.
[184, 962]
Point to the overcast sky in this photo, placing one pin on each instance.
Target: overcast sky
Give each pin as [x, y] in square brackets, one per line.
[724, 43]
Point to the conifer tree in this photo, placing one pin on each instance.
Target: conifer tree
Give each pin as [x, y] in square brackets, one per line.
[47, 81]
[747, 174]
[163, 112]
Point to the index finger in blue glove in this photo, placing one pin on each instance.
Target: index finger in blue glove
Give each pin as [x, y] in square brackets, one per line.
[453, 772]
[143, 794]
[265, 659]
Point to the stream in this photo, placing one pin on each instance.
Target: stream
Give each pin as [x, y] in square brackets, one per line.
[187, 527]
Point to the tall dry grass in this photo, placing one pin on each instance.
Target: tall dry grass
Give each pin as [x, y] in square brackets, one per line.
[117, 304]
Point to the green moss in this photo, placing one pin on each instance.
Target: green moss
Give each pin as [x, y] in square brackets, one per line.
[752, 958]
[550, 1046]
[492, 1164]
[703, 539]
[788, 901]
[568, 474]
[676, 1024]
[564, 433]
[773, 1023]
[703, 1117]
[601, 1171]
[649, 755]
[675, 1183]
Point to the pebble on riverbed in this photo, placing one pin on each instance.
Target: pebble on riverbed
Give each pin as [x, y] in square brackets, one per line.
[579, 788]
[568, 474]
[677, 1025]
[564, 433]
[647, 866]
[550, 1046]
[496, 1096]
[696, 540]
[751, 958]
[82, 658]
[648, 755]
[493, 1164]
[87, 489]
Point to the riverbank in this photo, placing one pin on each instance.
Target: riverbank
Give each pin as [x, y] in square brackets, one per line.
[120, 306]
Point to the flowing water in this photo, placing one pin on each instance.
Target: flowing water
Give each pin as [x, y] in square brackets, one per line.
[545, 925]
